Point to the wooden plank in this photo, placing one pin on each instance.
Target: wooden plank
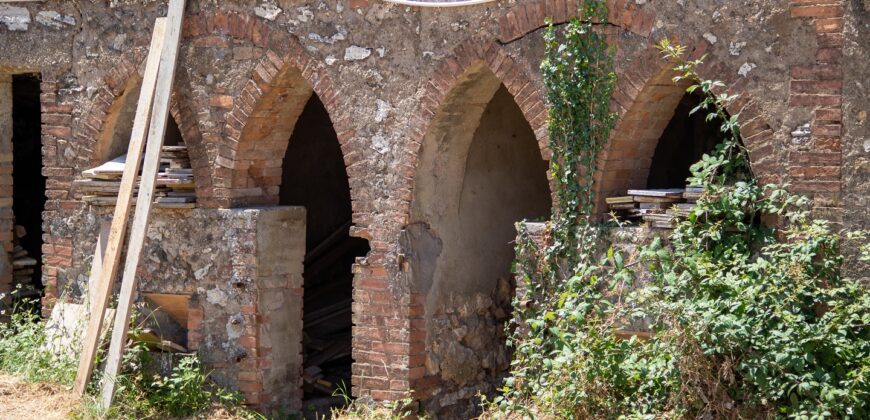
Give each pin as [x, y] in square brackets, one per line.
[156, 133]
[97, 263]
[122, 212]
[665, 192]
[619, 200]
[176, 306]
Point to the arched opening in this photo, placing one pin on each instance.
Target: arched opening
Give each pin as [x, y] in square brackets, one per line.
[115, 136]
[480, 171]
[102, 183]
[654, 190]
[314, 176]
[685, 140]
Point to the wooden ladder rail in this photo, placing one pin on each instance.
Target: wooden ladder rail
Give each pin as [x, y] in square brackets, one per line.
[156, 133]
[112, 255]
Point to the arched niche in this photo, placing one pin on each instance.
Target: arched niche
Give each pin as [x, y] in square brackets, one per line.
[115, 136]
[480, 171]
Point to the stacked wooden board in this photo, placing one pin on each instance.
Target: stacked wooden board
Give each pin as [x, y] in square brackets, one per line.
[657, 207]
[174, 187]
[23, 268]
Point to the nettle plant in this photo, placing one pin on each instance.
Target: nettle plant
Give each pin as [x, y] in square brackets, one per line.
[746, 320]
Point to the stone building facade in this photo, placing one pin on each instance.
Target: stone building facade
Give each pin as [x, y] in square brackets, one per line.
[440, 118]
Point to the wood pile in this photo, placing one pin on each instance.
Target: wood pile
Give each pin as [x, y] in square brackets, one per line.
[328, 319]
[23, 268]
[658, 207]
[174, 186]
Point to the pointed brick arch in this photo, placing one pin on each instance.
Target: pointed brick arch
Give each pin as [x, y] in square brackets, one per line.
[248, 164]
[472, 55]
[645, 99]
[239, 172]
[120, 81]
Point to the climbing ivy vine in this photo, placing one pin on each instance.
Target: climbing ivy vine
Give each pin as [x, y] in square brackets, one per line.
[744, 319]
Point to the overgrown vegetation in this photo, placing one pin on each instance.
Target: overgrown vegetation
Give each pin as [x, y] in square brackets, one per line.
[142, 392]
[746, 320]
[22, 349]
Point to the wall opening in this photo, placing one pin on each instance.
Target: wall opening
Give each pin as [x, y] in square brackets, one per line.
[115, 137]
[314, 176]
[28, 185]
[685, 140]
[480, 172]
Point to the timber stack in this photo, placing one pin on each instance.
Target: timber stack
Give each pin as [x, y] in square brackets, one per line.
[660, 208]
[24, 268]
[174, 186]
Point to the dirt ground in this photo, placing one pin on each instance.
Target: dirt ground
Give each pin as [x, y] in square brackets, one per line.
[22, 400]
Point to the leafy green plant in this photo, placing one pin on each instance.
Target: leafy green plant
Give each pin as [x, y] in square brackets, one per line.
[185, 391]
[22, 349]
[745, 320]
[369, 410]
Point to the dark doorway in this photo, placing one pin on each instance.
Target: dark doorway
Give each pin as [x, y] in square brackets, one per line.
[685, 140]
[28, 185]
[314, 176]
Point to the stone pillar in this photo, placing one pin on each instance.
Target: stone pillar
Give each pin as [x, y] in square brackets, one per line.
[280, 253]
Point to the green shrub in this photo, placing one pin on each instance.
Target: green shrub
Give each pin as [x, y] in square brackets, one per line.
[747, 320]
[22, 351]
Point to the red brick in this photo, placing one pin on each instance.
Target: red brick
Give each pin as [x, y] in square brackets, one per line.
[824, 11]
[829, 25]
[815, 186]
[815, 158]
[818, 72]
[817, 86]
[812, 100]
[221, 101]
[815, 172]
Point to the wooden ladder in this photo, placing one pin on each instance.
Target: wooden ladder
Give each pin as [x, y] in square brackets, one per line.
[152, 112]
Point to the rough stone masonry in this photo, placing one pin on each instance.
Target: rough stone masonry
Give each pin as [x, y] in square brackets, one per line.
[441, 118]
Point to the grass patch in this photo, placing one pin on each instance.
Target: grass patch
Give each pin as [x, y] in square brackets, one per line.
[185, 392]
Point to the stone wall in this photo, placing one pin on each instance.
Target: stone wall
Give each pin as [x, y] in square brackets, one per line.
[242, 272]
[384, 72]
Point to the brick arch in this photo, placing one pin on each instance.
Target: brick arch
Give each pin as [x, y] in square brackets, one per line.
[645, 99]
[259, 126]
[100, 120]
[246, 167]
[530, 16]
[469, 57]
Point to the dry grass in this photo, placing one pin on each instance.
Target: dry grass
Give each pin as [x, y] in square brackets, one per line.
[23, 400]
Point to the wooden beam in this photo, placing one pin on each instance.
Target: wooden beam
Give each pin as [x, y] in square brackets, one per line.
[97, 263]
[156, 133]
[112, 256]
[176, 306]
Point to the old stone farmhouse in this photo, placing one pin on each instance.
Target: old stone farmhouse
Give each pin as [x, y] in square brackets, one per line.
[358, 166]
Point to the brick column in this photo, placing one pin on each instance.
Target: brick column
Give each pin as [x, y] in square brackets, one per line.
[814, 168]
[7, 218]
[56, 130]
[382, 329]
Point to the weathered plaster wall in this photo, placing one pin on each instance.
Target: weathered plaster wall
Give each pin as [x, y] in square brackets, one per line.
[384, 72]
[492, 177]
